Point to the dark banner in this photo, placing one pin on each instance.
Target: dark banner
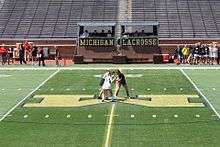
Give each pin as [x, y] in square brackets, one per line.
[123, 42]
[139, 41]
[96, 42]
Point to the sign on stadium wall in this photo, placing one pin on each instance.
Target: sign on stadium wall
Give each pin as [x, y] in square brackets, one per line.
[139, 42]
[96, 41]
[122, 41]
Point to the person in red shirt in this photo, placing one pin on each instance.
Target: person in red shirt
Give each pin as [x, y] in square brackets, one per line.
[28, 48]
[3, 53]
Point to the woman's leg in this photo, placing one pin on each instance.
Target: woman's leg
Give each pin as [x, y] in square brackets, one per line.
[100, 94]
[126, 89]
[117, 88]
[104, 94]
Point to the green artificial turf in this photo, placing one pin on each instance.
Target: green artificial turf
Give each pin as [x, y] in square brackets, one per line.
[209, 83]
[165, 130]
[139, 131]
[17, 85]
[84, 82]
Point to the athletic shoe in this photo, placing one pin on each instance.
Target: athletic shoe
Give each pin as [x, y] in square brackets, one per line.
[114, 100]
[128, 97]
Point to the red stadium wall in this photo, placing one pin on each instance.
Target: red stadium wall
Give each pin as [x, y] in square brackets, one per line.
[68, 48]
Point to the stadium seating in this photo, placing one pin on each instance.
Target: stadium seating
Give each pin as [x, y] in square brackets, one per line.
[58, 18]
[181, 18]
[51, 18]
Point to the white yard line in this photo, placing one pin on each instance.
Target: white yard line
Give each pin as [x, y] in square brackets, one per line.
[110, 67]
[206, 99]
[110, 126]
[7, 113]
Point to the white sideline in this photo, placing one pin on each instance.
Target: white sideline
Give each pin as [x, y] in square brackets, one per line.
[7, 113]
[109, 126]
[206, 99]
[110, 67]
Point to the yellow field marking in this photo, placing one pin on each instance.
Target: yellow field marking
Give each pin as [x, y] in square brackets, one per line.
[147, 100]
[108, 136]
[165, 101]
[64, 101]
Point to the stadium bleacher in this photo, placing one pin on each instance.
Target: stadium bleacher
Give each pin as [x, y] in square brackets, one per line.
[58, 18]
[51, 18]
[181, 18]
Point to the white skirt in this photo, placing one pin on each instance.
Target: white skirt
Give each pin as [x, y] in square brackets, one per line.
[106, 86]
[214, 55]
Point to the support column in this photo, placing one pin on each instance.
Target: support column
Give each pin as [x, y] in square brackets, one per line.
[124, 14]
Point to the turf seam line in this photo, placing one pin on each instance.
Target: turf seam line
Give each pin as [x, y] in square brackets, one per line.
[206, 99]
[104, 68]
[28, 95]
[109, 126]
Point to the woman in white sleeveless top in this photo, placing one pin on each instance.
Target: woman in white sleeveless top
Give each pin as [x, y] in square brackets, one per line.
[107, 85]
[213, 53]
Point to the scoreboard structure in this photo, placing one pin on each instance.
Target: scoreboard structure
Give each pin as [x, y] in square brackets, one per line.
[107, 42]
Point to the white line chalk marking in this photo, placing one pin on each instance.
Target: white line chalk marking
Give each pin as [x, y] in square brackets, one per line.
[7, 113]
[199, 91]
[25, 116]
[47, 116]
[5, 76]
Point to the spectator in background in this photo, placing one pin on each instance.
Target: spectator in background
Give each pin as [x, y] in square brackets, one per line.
[85, 34]
[57, 56]
[21, 54]
[177, 55]
[27, 47]
[40, 56]
[10, 54]
[206, 54]
[103, 34]
[7, 57]
[109, 34]
[213, 53]
[219, 55]
[190, 57]
[135, 34]
[196, 53]
[3, 53]
[94, 34]
[142, 33]
[34, 54]
[185, 53]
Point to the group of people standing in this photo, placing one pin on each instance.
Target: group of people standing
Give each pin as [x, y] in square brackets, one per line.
[197, 54]
[106, 85]
[32, 52]
[26, 52]
[6, 55]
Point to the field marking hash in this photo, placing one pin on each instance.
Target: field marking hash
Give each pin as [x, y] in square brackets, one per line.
[28, 95]
[199, 91]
